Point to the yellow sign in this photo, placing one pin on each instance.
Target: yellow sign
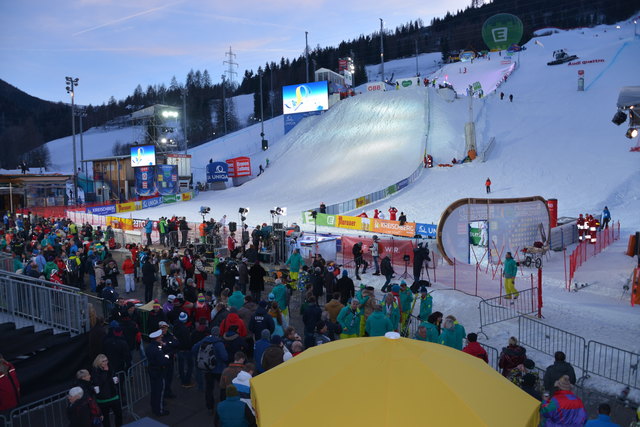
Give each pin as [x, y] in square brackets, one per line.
[350, 222]
[186, 196]
[120, 223]
[362, 201]
[126, 207]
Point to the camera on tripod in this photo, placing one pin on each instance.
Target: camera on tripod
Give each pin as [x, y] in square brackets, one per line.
[204, 210]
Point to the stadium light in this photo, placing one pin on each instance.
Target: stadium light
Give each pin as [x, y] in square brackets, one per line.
[619, 118]
[631, 133]
[170, 114]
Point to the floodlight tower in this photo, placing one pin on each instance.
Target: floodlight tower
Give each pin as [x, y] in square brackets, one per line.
[71, 84]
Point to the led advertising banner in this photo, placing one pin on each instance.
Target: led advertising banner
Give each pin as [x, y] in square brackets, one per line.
[305, 97]
[145, 180]
[143, 155]
[512, 225]
[217, 172]
[167, 179]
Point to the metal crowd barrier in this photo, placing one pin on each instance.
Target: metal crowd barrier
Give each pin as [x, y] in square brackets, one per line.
[6, 262]
[137, 386]
[493, 354]
[548, 340]
[612, 363]
[37, 301]
[48, 412]
[500, 309]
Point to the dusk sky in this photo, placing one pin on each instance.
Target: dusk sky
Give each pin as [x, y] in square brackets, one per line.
[114, 45]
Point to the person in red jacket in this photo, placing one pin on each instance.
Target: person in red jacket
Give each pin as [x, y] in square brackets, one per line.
[487, 184]
[9, 386]
[581, 224]
[392, 213]
[231, 246]
[376, 213]
[233, 319]
[474, 348]
[128, 269]
[511, 356]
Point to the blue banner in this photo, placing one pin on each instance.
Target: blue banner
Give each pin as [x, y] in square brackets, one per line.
[217, 172]
[167, 179]
[102, 210]
[291, 120]
[151, 203]
[145, 178]
[402, 184]
[426, 230]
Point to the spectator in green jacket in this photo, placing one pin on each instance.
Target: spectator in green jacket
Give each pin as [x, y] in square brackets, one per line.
[378, 324]
[421, 333]
[433, 326]
[406, 301]
[281, 297]
[426, 304]
[349, 318]
[236, 299]
[391, 310]
[453, 333]
[295, 263]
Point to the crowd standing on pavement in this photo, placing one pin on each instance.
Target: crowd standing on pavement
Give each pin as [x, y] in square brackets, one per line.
[215, 322]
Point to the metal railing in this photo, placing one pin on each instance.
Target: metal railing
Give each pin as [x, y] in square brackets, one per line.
[52, 410]
[38, 302]
[502, 308]
[612, 363]
[547, 339]
[6, 262]
[493, 354]
[487, 150]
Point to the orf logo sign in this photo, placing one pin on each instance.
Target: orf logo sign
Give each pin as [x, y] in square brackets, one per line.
[217, 172]
[374, 87]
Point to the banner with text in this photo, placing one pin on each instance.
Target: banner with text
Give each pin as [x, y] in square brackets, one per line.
[145, 180]
[102, 210]
[167, 179]
[392, 227]
[426, 230]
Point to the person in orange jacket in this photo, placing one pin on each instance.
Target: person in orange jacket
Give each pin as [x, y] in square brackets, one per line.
[487, 184]
[203, 231]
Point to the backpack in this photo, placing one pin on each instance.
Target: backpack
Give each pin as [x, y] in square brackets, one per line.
[206, 359]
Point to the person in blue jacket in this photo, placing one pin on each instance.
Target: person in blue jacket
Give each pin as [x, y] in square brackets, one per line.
[158, 362]
[259, 347]
[233, 412]
[148, 228]
[604, 417]
[213, 376]
[509, 273]
[606, 217]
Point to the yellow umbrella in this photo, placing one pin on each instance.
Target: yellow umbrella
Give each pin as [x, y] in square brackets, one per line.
[386, 381]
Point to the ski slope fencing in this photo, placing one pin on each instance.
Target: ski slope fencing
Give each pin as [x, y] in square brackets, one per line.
[592, 359]
[500, 309]
[586, 250]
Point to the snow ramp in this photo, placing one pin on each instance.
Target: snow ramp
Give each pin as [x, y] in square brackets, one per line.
[362, 144]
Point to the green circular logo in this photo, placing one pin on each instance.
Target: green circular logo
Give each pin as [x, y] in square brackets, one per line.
[501, 31]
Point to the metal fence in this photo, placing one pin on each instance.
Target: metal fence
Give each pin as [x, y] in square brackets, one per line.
[586, 250]
[493, 354]
[52, 410]
[6, 262]
[39, 302]
[547, 339]
[500, 309]
[612, 363]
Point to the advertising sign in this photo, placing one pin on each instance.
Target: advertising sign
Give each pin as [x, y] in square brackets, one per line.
[348, 78]
[375, 86]
[126, 207]
[305, 97]
[325, 220]
[501, 31]
[350, 222]
[120, 223]
[169, 199]
[408, 82]
[292, 120]
[385, 226]
[362, 201]
[151, 203]
[144, 180]
[167, 179]
[102, 210]
[182, 161]
[396, 249]
[402, 184]
[426, 230]
[239, 166]
[217, 172]
[143, 155]
[186, 196]
[467, 56]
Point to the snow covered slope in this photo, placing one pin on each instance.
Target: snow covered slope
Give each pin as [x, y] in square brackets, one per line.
[360, 145]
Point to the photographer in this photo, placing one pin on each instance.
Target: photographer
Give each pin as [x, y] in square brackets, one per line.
[358, 259]
[420, 255]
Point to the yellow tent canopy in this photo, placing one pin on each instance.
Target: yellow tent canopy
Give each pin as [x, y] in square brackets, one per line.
[388, 382]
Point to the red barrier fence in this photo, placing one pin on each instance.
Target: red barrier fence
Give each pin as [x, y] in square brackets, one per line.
[586, 250]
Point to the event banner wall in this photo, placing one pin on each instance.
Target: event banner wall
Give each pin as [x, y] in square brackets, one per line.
[167, 179]
[217, 172]
[396, 249]
[381, 226]
[102, 210]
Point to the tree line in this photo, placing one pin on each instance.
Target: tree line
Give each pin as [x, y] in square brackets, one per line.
[27, 122]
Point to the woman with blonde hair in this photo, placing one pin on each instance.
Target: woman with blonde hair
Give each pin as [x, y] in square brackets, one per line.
[107, 387]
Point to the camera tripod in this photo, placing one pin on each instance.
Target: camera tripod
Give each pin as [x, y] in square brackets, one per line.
[406, 274]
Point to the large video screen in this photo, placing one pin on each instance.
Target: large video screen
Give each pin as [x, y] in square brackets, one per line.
[305, 97]
[143, 155]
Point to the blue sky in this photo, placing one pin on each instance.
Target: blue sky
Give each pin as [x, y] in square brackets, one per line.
[114, 45]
